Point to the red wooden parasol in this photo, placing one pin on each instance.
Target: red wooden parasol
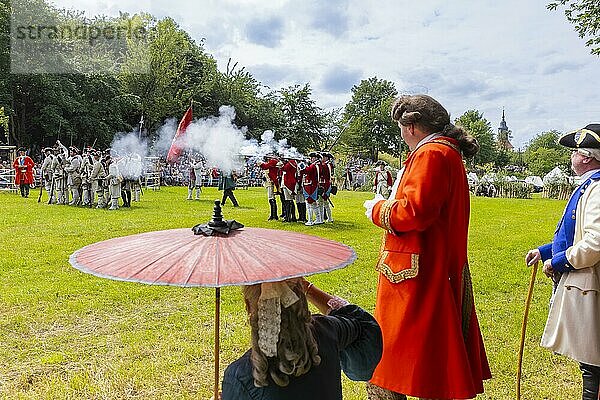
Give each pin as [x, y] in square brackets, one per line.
[178, 257]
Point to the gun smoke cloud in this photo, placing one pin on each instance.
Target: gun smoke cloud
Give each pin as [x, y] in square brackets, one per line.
[221, 142]
[132, 152]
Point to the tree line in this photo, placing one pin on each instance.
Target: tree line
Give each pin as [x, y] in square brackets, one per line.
[91, 100]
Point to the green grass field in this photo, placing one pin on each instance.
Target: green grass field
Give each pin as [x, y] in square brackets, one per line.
[68, 335]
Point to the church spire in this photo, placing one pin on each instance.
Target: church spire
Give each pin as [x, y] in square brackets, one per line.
[503, 127]
[504, 134]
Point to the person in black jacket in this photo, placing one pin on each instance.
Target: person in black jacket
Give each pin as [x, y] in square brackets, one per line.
[296, 355]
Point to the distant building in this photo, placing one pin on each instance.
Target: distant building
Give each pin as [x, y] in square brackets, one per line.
[504, 135]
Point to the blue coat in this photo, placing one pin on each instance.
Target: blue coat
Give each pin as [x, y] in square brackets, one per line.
[565, 231]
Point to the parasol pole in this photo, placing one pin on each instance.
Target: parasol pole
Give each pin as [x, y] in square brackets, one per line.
[217, 318]
[524, 328]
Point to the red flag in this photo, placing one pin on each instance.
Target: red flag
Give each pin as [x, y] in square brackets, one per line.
[177, 145]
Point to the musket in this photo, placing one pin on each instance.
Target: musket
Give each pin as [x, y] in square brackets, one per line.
[41, 187]
[51, 190]
[341, 132]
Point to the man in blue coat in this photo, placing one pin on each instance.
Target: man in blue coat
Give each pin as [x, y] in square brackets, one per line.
[572, 260]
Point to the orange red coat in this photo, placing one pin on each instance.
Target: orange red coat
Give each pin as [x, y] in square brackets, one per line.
[23, 166]
[432, 343]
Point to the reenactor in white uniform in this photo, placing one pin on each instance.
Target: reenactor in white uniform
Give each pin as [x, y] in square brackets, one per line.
[86, 169]
[97, 179]
[59, 177]
[196, 174]
[131, 169]
[106, 160]
[47, 173]
[383, 181]
[74, 175]
[113, 180]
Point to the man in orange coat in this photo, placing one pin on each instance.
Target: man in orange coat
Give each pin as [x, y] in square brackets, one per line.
[432, 345]
[23, 166]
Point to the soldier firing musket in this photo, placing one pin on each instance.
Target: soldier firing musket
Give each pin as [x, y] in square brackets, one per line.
[271, 168]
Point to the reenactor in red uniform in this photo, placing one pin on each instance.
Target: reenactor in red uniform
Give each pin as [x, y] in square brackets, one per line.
[289, 180]
[271, 169]
[23, 166]
[325, 186]
[383, 181]
[310, 185]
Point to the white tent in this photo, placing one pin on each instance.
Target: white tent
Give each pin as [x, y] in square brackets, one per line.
[556, 176]
[488, 178]
[535, 181]
[472, 178]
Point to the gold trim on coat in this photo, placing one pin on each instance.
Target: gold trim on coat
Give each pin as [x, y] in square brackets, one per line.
[467, 301]
[397, 277]
[386, 270]
[385, 214]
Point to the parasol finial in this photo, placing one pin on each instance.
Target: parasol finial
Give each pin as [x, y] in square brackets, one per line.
[217, 217]
[217, 224]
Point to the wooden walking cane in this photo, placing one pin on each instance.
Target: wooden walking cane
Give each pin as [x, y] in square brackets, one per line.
[524, 327]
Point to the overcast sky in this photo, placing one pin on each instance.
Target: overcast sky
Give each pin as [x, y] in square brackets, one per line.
[482, 55]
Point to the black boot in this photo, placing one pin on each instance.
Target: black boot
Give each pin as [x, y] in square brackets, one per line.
[290, 215]
[283, 208]
[292, 211]
[591, 381]
[22, 187]
[301, 212]
[273, 206]
[26, 190]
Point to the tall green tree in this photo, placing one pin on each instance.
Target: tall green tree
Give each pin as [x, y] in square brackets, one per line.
[585, 15]
[474, 122]
[5, 79]
[303, 121]
[544, 154]
[370, 127]
[178, 72]
[238, 88]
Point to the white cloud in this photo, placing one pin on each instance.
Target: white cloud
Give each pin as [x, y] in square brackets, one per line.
[482, 55]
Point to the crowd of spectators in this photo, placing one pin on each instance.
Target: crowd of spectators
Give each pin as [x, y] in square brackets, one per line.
[178, 174]
[356, 172]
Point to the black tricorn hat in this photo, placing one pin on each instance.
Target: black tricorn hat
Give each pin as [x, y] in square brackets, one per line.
[21, 149]
[314, 154]
[588, 137]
